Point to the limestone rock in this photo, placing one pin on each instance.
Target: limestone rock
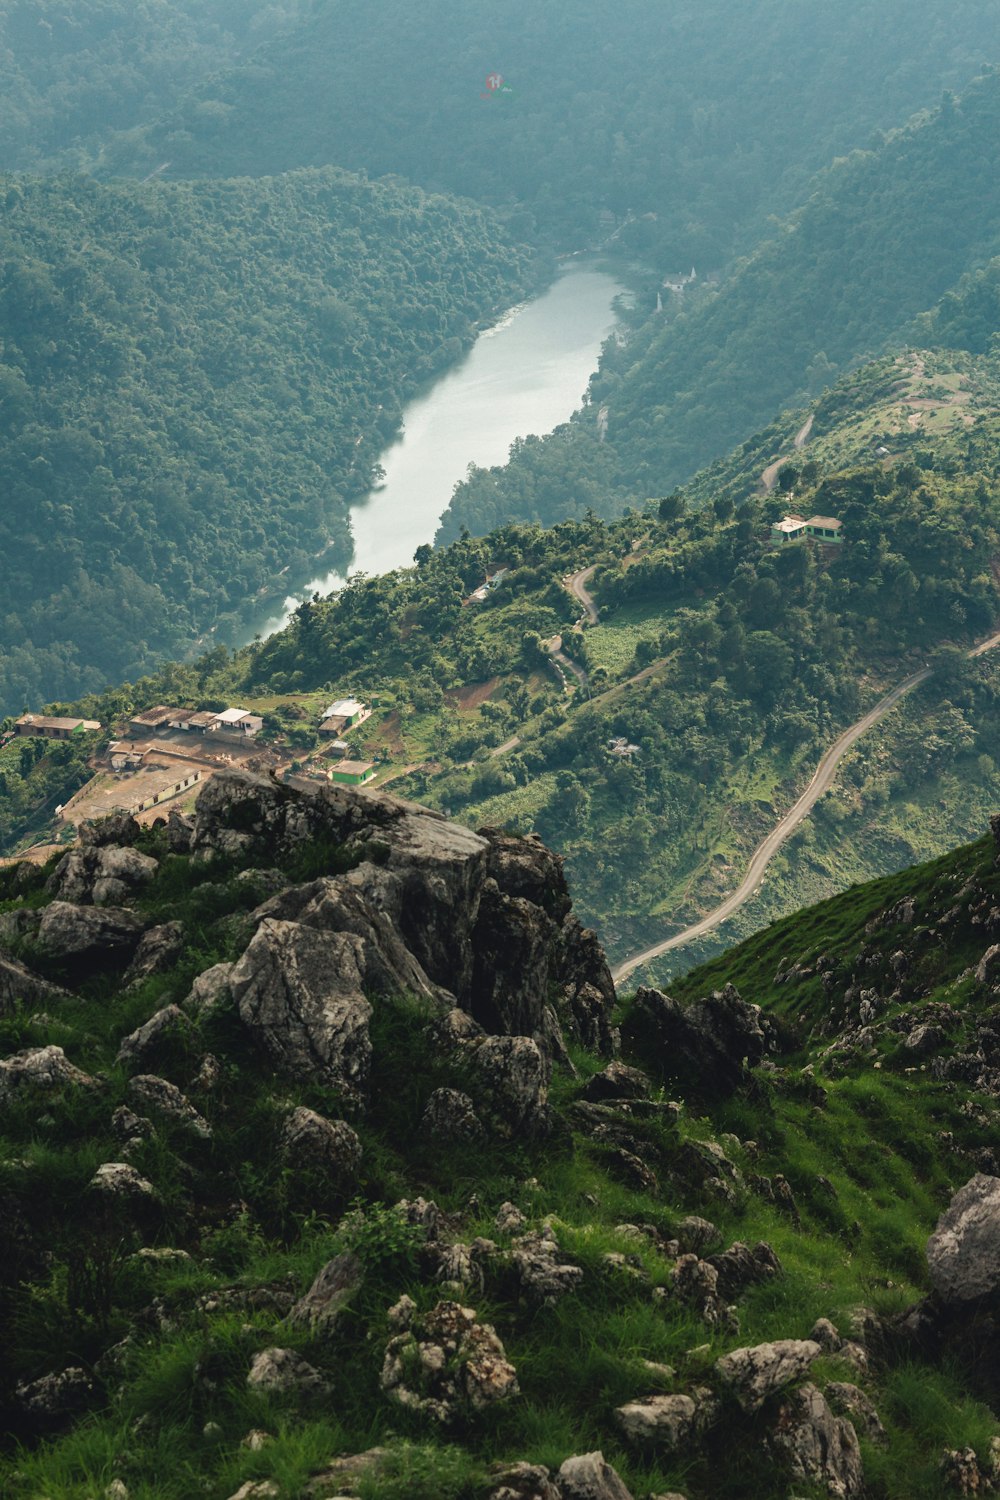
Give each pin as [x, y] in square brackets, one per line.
[522, 1482]
[695, 1234]
[509, 1219]
[44, 1068]
[179, 832]
[963, 1253]
[299, 993]
[116, 1180]
[536, 1261]
[328, 1147]
[618, 1081]
[282, 1372]
[666, 1421]
[451, 1116]
[344, 1474]
[704, 1046]
[988, 968]
[158, 1039]
[445, 1358]
[849, 1401]
[159, 950]
[332, 1289]
[587, 1476]
[210, 991]
[820, 1448]
[753, 1374]
[55, 1399]
[257, 1489]
[100, 875]
[119, 828]
[19, 986]
[511, 1084]
[165, 1101]
[90, 937]
[740, 1267]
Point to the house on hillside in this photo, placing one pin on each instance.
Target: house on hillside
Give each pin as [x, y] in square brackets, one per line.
[345, 714]
[42, 726]
[352, 772]
[236, 723]
[151, 720]
[826, 529]
[491, 583]
[788, 529]
[822, 528]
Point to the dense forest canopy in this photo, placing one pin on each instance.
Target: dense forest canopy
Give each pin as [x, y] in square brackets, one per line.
[194, 381]
[695, 120]
[884, 235]
[71, 72]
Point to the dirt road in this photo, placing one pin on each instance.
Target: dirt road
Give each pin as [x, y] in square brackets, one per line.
[768, 848]
[769, 478]
[577, 585]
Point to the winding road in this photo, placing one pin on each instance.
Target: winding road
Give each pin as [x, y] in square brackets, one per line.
[577, 585]
[768, 848]
[769, 478]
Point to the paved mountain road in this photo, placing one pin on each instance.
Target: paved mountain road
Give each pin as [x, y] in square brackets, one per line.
[768, 848]
[577, 585]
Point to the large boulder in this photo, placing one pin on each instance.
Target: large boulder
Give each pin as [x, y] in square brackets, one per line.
[963, 1253]
[820, 1449]
[299, 993]
[100, 875]
[89, 938]
[167, 1034]
[284, 1373]
[326, 1148]
[155, 1096]
[19, 986]
[159, 950]
[447, 1359]
[704, 1047]
[119, 828]
[587, 1476]
[664, 1422]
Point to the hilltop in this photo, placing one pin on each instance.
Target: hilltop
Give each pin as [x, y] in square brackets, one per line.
[360, 1180]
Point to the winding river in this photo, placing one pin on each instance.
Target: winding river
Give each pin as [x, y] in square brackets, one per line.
[524, 375]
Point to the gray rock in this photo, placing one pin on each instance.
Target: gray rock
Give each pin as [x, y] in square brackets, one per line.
[587, 1476]
[988, 967]
[450, 1116]
[44, 1068]
[331, 1291]
[327, 1147]
[118, 1181]
[282, 1372]
[664, 1421]
[511, 1085]
[848, 1401]
[963, 1253]
[19, 986]
[127, 1126]
[55, 1399]
[99, 875]
[617, 1081]
[179, 832]
[158, 1038]
[445, 1359]
[536, 1260]
[522, 1482]
[90, 937]
[159, 950]
[117, 828]
[820, 1448]
[166, 1102]
[751, 1375]
[740, 1267]
[210, 991]
[509, 1219]
[344, 1474]
[925, 1039]
[695, 1234]
[705, 1046]
[299, 993]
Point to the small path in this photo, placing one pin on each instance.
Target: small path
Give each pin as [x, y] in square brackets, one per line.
[510, 744]
[564, 663]
[577, 585]
[769, 478]
[768, 848]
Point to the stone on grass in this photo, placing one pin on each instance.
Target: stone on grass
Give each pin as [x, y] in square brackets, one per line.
[753, 1374]
[848, 1401]
[165, 1101]
[522, 1481]
[445, 1358]
[331, 1291]
[586, 1476]
[89, 937]
[157, 1039]
[19, 986]
[539, 1270]
[450, 1115]
[159, 950]
[283, 1372]
[618, 1081]
[665, 1422]
[117, 1181]
[963, 1253]
[328, 1147]
[210, 991]
[100, 875]
[55, 1399]
[820, 1448]
[44, 1068]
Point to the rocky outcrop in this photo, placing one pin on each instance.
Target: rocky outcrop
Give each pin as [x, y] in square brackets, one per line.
[447, 1360]
[450, 1115]
[617, 1081]
[299, 994]
[89, 938]
[331, 1291]
[819, 1448]
[752, 1375]
[118, 828]
[587, 1476]
[522, 1481]
[163, 1036]
[52, 1401]
[19, 986]
[118, 1182]
[663, 1422]
[284, 1373]
[327, 1148]
[100, 875]
[705, 1047]
[165, 1102]
[159, 950]
[963, 1254]
[43, 1068]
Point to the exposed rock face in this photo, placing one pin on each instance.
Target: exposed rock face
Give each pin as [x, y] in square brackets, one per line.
[848, 1401]
[617, 1081]
[541, 1274]
[512, 1075]
[587, 1476]
[754, 1374]
[328, 1147]
[299, 993]
[88, 937]
[210, 991]
[445, 1358]
[483, 918]
[117, 828]
[42, 1068]
[821, 1449]
[963, 1254]
[705, 1046]
[100, 875]
[19, 985]
[329, 1294]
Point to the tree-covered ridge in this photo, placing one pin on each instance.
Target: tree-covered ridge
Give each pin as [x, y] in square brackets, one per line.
[695, 121]
[884, 236]
[195, 380]
[69, 74]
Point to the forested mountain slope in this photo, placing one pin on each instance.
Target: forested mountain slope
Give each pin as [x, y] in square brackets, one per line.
[71, 73]
[194, 380]
[883, 236]
[706, 116]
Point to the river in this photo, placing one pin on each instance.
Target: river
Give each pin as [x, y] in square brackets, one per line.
[523, 376]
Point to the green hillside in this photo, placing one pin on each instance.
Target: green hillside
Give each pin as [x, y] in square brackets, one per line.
[881, 238]
[195, 380]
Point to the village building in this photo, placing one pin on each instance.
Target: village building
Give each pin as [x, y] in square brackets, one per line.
[239, 722]
[200, 722]
[793, 528]
[826, 529]
[346, 713]
[788, 529]
[151, 720]
[352, 772]
[42, 726]
[123, 757]
[338, 748]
